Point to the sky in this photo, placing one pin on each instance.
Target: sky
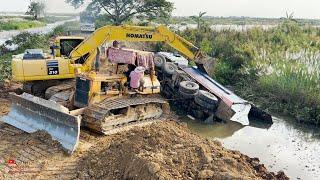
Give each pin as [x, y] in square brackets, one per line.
[250, 8]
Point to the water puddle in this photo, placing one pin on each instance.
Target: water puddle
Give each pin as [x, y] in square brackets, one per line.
[293, 148]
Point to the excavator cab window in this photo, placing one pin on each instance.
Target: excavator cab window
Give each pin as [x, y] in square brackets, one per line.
[67, 45]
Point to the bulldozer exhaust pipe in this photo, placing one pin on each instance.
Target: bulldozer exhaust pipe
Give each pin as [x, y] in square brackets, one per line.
[31, 114]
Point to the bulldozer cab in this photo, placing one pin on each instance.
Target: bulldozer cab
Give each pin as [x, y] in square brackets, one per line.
[93, 87]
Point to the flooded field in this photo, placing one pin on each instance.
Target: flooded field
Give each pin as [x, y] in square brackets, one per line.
[286, 146]
[221, 27]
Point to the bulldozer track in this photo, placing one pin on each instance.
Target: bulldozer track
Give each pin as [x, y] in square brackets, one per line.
[102, 108]
[96, 114]
[128, 126]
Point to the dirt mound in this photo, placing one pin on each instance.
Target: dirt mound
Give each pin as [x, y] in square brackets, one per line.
[167, 150]
[8, 86]
[4, 106]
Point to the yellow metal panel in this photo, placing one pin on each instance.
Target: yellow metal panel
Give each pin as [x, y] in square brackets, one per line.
[36, 78]
[17, 70]
[63, 66]
[35, 67]
[57, 51]
[32, 70]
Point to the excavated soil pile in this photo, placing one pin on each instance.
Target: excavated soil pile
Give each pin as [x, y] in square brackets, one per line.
[7, 87]
[4, 107]
[167, 150]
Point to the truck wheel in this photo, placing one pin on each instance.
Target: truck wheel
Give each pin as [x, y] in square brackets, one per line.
[198, 114]
[189, 87]
[187, 95]
[159, 60]
[205, 104]
[182, 77]
[170, 68]
[207, 97]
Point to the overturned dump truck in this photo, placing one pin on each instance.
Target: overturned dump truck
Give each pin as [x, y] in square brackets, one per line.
[197, 93]
[69, 89]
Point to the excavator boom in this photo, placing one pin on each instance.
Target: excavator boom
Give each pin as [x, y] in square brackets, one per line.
[136, 34]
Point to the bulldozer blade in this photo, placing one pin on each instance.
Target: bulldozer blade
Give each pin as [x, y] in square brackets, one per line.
[31, 114]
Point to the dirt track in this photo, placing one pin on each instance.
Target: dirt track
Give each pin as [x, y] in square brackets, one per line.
[165, 150]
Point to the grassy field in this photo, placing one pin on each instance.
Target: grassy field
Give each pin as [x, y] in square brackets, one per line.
[240, 21]
[18, 23]
[277, 69]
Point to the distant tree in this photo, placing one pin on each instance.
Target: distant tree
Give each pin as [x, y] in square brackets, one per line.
[199, 19]
[36, 9]
[120, 11]
[290, 17]
[201, 26]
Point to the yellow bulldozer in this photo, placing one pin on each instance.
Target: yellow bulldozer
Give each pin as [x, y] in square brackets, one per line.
[64, 92]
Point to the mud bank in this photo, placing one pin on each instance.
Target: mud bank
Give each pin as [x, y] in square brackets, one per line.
[167, 150]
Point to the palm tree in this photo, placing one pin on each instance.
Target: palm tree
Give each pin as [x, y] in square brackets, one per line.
[290, 17]
[199, 19]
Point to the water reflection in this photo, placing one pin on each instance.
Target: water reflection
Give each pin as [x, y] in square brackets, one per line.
[293, 148]
[217, 130]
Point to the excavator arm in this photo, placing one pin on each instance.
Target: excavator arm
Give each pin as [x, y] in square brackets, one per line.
[135, 34]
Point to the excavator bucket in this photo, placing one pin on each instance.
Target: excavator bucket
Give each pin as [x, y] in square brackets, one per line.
[31, 114]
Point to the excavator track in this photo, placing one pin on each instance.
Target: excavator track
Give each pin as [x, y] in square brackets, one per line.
[113, 115]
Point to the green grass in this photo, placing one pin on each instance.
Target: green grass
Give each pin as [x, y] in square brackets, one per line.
[239, 21]
[53, 19]
[19, 25]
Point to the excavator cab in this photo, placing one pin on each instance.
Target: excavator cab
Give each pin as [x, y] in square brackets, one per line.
[65, 45]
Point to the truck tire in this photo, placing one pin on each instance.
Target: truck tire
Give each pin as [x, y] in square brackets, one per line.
[170, 68]
[188, 87]
[187, 95]
[159, 60]
[207, 97]
[204, 104]
[198, 114]
[179, 76]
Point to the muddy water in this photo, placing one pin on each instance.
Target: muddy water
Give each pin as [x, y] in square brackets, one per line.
[293, 148]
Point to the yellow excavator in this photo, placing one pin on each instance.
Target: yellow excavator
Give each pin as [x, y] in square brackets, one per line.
[101, 101]
[72, 55]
